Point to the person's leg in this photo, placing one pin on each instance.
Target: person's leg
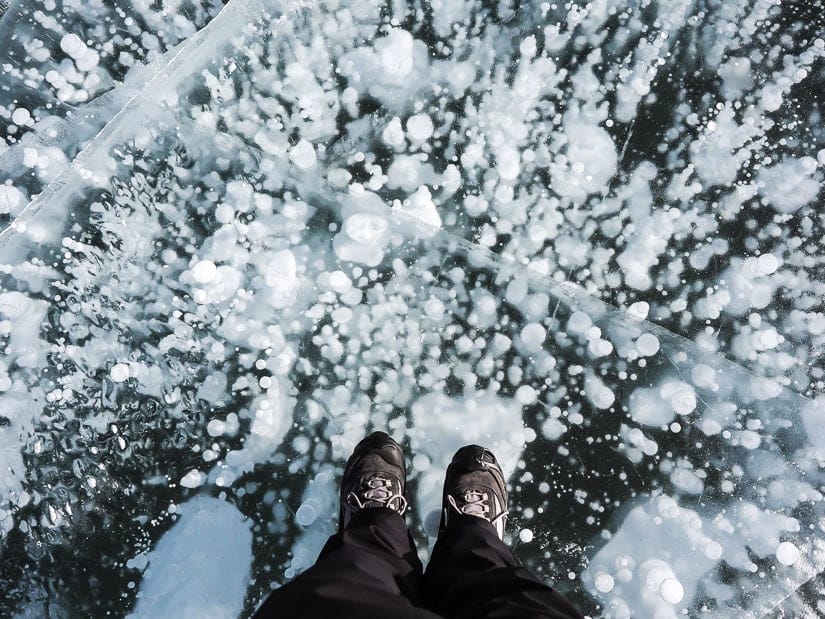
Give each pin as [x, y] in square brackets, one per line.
[370, 568]
[472, 573]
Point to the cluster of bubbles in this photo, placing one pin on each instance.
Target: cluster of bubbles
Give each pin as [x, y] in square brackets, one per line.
[351, 215]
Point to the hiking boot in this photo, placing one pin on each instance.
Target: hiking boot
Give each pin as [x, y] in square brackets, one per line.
[375, 476]
[475, 486]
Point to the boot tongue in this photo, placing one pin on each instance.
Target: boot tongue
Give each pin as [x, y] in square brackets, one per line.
[377, 491]
[475, 503]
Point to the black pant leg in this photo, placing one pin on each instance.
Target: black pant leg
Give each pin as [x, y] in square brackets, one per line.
[371, 570]
[473, 575]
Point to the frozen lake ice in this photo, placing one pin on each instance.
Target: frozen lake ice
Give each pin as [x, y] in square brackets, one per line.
[235, 238]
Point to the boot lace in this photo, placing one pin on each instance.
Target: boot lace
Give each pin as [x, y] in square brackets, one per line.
[377, 491]
[476, 503]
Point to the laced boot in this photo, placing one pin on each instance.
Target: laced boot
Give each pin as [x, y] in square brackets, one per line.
[375, 476]
[474, 485]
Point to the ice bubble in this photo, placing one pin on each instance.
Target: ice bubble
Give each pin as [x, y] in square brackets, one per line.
[213, 387]
[434, 308]
[193, 479]
[12, 200]
[593, 333]
[714, 550]
[396, 52]
[393, 134]
[119, 372]
[222, 288]
[342, 315]
[736, 76]
[766, 339]
[787, 553]
[604, 583]
[592, 158]
[224, 213]
[303, 155]
[338, 177]
[599, 348]
[461, 76]
[239, 195]
[419, 127]
[421, 206]
[767, 264]
[688, 481]
[404, 172]
[366, 228]
[281, 280]
[532, 336]
[528, 47]
[552, 429]
[748, 439]
[597, 392]
[526, 535]
[646, 407]
[516, 291]
[682, 397]
[671, 591]
[771, 97]
[764, 388]
[639, 310]
[215, 427]
[507, 163]
[579, 322]
[788, 185]
[307, 513]
[339, 281]
[647, 344]
[204, 271]
[365, 233]
[703, 375]
[526, 394]
[72, 45]
[30, 156]
[20, 116]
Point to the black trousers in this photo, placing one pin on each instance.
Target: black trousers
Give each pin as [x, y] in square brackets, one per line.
[372, 570]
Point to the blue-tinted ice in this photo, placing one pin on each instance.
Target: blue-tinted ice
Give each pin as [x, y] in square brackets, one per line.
[311, 221]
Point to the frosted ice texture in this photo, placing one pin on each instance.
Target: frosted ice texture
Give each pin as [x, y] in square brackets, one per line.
[291, 233]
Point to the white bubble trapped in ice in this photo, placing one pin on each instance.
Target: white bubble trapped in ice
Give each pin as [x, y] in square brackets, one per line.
[787, 553]
[303, 155]
[307, 513]
[647, 344]
[119, 372]
[639, 310]
[193, 479]
[396, 52]
[204, 271]
[419, 128]
[12, 200]
[532, 337]
[671, 591]
[393, 134]
[604, 583]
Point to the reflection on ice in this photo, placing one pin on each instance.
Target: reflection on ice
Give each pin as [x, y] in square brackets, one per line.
[307, 227]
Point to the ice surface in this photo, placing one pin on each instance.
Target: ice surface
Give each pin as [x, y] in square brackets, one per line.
[546, 229]
[200, 567]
